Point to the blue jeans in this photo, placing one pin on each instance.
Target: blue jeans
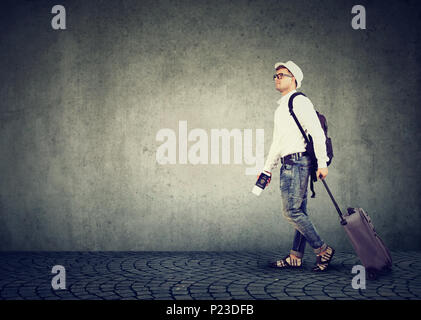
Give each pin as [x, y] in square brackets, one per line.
[294, 178]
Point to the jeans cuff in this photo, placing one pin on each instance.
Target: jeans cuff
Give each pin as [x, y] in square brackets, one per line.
[297, 253]
[321, 249]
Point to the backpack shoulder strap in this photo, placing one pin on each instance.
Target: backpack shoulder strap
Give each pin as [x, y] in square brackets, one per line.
[291, 111]
[292, 98]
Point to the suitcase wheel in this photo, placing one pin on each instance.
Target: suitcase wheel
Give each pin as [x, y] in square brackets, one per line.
[371, 273]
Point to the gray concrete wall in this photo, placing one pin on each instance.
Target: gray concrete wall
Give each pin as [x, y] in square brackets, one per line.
[81, 108]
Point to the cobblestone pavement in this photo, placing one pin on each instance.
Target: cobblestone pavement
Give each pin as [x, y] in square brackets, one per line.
[197, 275]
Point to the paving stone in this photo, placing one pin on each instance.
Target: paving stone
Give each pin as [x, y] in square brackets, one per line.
[306, 298]
[202, 297]
[183, 297]
[259, 296]
[197, 275]
[323, 297]
[221, 296]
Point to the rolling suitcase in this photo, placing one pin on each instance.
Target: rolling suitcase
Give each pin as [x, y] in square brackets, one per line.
[369, 247]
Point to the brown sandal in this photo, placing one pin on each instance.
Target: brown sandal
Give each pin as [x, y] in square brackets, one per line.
[323, 260]
[284, 264]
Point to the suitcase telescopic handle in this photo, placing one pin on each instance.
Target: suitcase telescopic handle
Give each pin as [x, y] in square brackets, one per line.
[343, 221]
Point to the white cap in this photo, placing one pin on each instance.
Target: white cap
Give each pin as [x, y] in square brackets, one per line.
[294, 69]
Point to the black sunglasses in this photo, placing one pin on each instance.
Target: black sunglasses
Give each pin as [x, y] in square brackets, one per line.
[281, 75]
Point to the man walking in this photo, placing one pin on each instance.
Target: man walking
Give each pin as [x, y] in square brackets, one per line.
[288, 147]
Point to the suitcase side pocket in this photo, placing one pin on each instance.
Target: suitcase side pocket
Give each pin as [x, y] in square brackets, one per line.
[383, 248]
[386, 251]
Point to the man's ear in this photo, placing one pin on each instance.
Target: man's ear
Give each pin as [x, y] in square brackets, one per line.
[296, 84]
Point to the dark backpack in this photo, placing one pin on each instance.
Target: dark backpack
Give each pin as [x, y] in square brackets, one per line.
[309, 141]
[329, 147]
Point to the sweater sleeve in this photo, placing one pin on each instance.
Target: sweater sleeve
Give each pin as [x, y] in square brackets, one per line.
[304, 110]
[273, 157]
